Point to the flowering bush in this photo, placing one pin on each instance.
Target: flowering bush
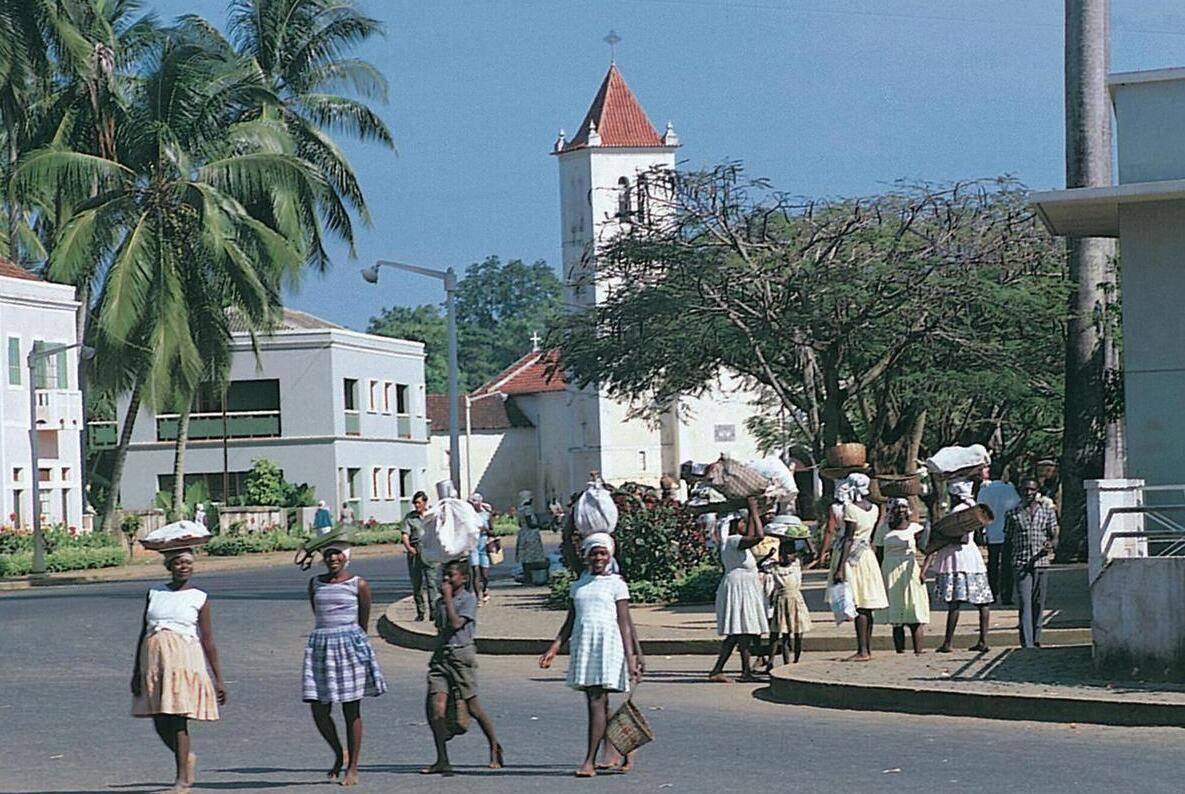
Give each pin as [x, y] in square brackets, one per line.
[658, 543]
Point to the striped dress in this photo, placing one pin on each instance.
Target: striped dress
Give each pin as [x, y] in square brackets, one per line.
[339, 662]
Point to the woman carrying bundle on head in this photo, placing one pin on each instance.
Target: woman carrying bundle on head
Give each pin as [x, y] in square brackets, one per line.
[961, 575]
[339, 662]
[169, 678]
[740, 603]
[603, 653]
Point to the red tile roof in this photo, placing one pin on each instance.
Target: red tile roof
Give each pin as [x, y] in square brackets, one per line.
[488, 414]
[13, 270]
[619, 117]
[531, 374]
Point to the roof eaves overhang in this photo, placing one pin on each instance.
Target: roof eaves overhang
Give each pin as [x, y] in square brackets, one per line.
[1094, 211]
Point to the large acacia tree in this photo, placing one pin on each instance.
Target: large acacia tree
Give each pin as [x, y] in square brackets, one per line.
[875, 319]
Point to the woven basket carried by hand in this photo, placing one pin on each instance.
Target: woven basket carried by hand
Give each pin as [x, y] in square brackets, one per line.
[899, 485]
[846, 455]
[628, 729]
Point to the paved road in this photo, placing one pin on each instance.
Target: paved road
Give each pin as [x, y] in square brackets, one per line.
[65, 659]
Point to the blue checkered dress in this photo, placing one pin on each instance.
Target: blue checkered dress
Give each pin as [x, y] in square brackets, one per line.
[339, 662]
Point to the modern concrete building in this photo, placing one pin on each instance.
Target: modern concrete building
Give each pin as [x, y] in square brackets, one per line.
[1135, 525]
[38, 314]
[339, 410]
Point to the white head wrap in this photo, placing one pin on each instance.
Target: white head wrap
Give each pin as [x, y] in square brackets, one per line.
[844, 492]
[859, 483]
[597, 539]
[960, 489]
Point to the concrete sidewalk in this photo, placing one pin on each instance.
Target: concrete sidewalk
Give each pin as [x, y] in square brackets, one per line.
[1044, 684]
[517, 621]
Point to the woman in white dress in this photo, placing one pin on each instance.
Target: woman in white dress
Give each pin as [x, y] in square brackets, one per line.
[740, 602]
[961, 576]
[603, 654]
[855, 563]
[170, 683]
[905, 585]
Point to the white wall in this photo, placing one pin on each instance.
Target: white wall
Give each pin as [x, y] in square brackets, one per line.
[39, 311]
[502, 463]
[1137, 620]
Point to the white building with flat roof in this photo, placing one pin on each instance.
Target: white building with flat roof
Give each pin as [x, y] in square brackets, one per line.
[339, 410]
[35, 313]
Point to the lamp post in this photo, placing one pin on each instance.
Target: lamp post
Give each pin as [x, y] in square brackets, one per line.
[34, 447]
[449, 277]
[469, 401]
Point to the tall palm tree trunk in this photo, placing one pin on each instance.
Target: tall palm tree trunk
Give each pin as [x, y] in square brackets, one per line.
[179, 461]
[1091, 265]
[121, 456]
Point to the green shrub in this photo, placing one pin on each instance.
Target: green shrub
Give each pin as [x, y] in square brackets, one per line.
[697, 585]
[58, 538]
[560, 595]
[65, 559]
[658, 544]
[504, 526]
[371, 537]
[647, 592]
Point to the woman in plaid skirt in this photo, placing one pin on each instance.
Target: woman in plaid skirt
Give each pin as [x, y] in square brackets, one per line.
[339, 662]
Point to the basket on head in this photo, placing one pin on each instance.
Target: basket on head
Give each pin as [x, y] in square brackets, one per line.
[958, 524]
[628, 729]
[846, 455]
[900, 485]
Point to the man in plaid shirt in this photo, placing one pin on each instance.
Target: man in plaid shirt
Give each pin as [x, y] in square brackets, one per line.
[1031, 530]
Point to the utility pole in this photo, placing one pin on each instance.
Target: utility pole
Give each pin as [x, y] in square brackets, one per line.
[1086, 453]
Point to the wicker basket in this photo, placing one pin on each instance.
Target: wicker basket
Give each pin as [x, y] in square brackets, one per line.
[846, 455]
[628, 729]
[900, 485]
[956, 525]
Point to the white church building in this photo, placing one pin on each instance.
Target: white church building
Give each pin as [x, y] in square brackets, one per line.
[603, 171]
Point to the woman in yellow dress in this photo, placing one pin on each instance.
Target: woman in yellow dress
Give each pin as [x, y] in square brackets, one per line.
[856, 564]
[909, 603]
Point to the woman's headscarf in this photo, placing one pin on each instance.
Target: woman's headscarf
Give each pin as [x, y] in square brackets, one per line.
[176, 554]
[344, 548]
[859, 483]
[960, 489]
[597, 539]
[897, 507]
[844, 492]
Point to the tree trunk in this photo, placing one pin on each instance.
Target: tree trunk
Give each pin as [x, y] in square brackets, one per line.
[121, 456]
[1090, 260]
[14, 214]
[179, 462]
[80, 327]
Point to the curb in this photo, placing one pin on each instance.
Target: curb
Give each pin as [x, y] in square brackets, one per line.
[147, 572]
[411, 636]
[786, 688]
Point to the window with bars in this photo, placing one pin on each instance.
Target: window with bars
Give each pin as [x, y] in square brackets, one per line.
[14, 361]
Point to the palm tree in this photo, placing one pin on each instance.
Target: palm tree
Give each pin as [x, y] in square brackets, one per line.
[170, 224]
[299, 49]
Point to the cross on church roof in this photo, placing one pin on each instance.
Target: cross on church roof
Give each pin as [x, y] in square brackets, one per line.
[612, 40]
[535, 340]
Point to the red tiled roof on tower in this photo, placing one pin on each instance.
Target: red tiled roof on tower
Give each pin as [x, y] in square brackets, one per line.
[618, 117]
[528, 375]
[13, 270]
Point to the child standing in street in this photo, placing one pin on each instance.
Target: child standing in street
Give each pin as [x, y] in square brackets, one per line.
[791, 616]
[453, 667]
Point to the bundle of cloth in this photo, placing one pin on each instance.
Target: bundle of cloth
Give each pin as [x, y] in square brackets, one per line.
[952, 463]
[769, 477]
[451, 526]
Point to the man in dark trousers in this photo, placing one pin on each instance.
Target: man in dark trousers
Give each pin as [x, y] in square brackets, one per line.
[1031, 531]
[425, 576]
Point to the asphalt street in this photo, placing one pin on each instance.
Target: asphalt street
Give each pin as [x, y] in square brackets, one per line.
[66, 657]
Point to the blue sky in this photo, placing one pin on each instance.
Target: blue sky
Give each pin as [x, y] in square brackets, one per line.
[823, 97]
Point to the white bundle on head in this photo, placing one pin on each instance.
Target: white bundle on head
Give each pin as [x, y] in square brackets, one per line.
[860, 484]
[595, 510]
[451, 529]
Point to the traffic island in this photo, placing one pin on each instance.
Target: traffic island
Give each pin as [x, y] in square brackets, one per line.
[1048, 684]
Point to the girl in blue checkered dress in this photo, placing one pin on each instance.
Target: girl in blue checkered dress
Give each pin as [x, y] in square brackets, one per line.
[339, 662]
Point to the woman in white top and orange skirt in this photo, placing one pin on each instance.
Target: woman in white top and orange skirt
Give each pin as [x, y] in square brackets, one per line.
[169, 679]
[855, 564]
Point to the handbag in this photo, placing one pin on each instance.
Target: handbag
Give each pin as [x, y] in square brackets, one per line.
[628, 729]
[497, 556]
[843, 604]
[456, 715]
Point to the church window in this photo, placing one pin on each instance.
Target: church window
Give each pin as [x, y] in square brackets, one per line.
[624, 210]
[641, 460]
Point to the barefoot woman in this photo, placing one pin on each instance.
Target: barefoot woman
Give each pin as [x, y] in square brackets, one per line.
[856, 564]
[602, 656]
[339, 662]
[169, 678]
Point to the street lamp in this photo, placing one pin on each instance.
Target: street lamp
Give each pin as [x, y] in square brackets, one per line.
[449, 277]
[34, 447]
[469, 401]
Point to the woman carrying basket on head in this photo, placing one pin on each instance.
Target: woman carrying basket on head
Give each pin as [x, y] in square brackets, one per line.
[339, 662]
[169, 678]
[603, 654]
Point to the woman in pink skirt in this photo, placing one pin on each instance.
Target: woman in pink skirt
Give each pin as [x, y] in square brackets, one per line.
[169, 679]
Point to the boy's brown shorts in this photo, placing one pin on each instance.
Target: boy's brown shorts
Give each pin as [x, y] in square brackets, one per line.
[452, 669]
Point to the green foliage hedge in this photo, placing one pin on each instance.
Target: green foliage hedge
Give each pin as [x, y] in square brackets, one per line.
[695, 587]
[58, 538]
[235, 545]
[504, 526]
[66, 559]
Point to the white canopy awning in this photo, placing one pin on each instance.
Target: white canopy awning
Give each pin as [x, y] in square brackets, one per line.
[1094, 211]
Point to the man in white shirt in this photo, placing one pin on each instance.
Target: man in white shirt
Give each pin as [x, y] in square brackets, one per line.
[1000, 497]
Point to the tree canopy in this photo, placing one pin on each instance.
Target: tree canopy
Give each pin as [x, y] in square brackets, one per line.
[924, 316]
[499, 307]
